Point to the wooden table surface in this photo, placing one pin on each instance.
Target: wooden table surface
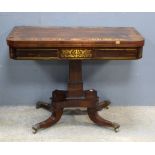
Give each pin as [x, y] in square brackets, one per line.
[75, 36]
[48, 43]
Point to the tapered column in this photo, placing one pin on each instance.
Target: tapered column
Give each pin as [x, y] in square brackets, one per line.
[75, 84]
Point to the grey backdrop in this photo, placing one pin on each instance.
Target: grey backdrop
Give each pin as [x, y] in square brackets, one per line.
[123, 82]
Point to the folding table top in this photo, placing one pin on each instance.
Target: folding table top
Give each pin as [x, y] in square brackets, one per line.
[47, 43]
[24, 36]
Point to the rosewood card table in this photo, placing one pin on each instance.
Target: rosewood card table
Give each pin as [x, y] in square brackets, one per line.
[75, 44]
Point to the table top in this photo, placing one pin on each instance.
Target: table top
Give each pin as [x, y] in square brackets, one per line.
[48, 43]
[28, 36]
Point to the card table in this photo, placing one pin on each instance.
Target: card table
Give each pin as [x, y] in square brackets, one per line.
[75, 44]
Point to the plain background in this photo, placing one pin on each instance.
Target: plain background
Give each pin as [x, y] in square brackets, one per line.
[123, 82]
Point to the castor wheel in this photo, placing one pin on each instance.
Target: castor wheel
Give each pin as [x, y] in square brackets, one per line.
[43, 105]
[38, 105]
[107, 103]
[35, 128]
[103, 104]
[116, 127]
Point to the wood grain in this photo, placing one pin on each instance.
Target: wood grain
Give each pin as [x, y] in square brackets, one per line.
[27, 36]
[75, 43]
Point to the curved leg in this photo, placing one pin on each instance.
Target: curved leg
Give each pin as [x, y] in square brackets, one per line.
[54, 118]
[93, 115]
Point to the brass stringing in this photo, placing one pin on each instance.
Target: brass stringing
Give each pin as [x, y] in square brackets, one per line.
[76, 53]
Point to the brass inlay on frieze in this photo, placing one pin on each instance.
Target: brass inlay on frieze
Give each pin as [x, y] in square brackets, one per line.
[76, 53]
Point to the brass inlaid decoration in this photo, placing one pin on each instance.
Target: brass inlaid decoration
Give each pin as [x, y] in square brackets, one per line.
[76, 53]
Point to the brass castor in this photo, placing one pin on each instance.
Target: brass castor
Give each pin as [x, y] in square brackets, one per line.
[35, 128]
[43, 105]
[116, 127]
[107, 103]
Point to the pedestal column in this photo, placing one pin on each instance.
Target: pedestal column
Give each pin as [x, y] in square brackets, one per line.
[75, 83]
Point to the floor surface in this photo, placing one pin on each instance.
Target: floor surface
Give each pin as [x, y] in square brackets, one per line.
[137, 124]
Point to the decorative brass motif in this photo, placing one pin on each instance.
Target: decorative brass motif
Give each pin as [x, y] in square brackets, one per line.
[76, 53]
